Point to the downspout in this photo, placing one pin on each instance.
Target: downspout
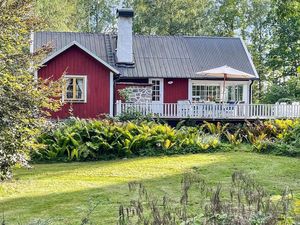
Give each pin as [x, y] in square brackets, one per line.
[114, 92]
[250, 92]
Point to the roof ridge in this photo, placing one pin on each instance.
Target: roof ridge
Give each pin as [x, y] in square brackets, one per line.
[185, 36]
[142, 35]
[71, 32]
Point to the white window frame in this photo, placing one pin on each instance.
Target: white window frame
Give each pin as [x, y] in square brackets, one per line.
[161, 86]
[207, 85]
[84, 77]
[236, 92]
[221, 83]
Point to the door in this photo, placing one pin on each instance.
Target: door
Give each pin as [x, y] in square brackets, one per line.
[157, 95]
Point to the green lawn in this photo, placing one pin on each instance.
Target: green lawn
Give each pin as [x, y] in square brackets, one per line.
[62, 191]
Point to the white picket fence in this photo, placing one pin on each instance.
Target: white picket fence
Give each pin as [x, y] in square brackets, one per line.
[211, 110]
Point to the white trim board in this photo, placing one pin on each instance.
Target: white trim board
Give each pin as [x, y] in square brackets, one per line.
[249, 58]
[85, 50]
[161, 84]
[111, 94]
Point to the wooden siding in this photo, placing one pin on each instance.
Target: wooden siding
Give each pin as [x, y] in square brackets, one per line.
[178, 90]
[74, 61]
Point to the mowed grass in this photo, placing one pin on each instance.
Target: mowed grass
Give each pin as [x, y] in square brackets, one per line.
[62, 191]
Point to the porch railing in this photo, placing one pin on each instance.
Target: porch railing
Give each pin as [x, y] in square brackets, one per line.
[211, 110]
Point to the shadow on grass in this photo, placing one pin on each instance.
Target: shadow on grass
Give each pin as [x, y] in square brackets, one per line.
[69, 207]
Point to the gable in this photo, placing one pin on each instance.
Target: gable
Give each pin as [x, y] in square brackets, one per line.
[73, 61]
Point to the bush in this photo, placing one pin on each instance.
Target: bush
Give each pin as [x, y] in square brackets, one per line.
[93, 140]
[84, 140]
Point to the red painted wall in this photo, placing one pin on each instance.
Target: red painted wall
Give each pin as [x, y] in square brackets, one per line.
[77, 62]
[178, 90]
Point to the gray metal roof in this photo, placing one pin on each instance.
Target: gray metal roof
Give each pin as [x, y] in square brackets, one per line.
[160, 56]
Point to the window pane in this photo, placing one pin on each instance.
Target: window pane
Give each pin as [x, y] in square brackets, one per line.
[155, 90]
[79, 88]
[69, 89]
[205, 92]
[235, 93]
[75, 89]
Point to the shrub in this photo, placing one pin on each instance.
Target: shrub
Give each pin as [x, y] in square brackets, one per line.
[93, 140]
[82, 140]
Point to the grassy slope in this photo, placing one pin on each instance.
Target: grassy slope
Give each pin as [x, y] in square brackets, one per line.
[62, 191]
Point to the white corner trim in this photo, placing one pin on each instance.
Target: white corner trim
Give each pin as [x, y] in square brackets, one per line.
[111, 94]
[31, 42]
[249, 57]
[35, 75]
[84, 49]
[190, 90]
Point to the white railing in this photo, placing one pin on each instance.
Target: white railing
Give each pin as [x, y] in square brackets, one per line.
[211, 110]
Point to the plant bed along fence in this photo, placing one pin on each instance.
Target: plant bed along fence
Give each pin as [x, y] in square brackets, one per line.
[86, 140]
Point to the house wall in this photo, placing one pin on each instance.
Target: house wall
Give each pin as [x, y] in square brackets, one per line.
[177, 90]
[75, 61]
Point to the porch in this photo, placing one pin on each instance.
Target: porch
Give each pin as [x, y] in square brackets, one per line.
[211, 111]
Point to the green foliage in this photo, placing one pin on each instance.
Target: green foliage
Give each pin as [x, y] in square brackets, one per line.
[289, 90]
[93, 140]
[77, 15]
[125, 93]
[24, 103]
[234, 138]
[81, 140]
[217, 129]
[57, 15]
[284, 56]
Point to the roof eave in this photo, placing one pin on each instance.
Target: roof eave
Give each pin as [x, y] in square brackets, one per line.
[250, 59]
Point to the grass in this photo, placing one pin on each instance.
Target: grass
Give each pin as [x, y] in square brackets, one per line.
[62, 191]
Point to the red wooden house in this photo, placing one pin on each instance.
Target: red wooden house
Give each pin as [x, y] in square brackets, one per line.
[160, 72]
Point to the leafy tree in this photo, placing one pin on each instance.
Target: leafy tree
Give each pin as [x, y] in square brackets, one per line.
[171, 17]
[96, 15]
[284, 56]
[24, 104]
[287, 91]
[58, 15]
[229, 17]
[77, 15]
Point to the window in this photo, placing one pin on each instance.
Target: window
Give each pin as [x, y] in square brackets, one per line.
[156, 90]
[205, 93]
[235, 93]
[75, 89]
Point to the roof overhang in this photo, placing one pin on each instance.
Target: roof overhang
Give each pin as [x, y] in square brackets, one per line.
[250, 59]
[75, 43]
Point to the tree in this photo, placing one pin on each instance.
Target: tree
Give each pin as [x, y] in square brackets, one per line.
[24, 103]
[58, 15]
[229, 17]
[284, 56]
[77, 15]
[96, 15]
[258, 37]
[285, 91]
[171, 17]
